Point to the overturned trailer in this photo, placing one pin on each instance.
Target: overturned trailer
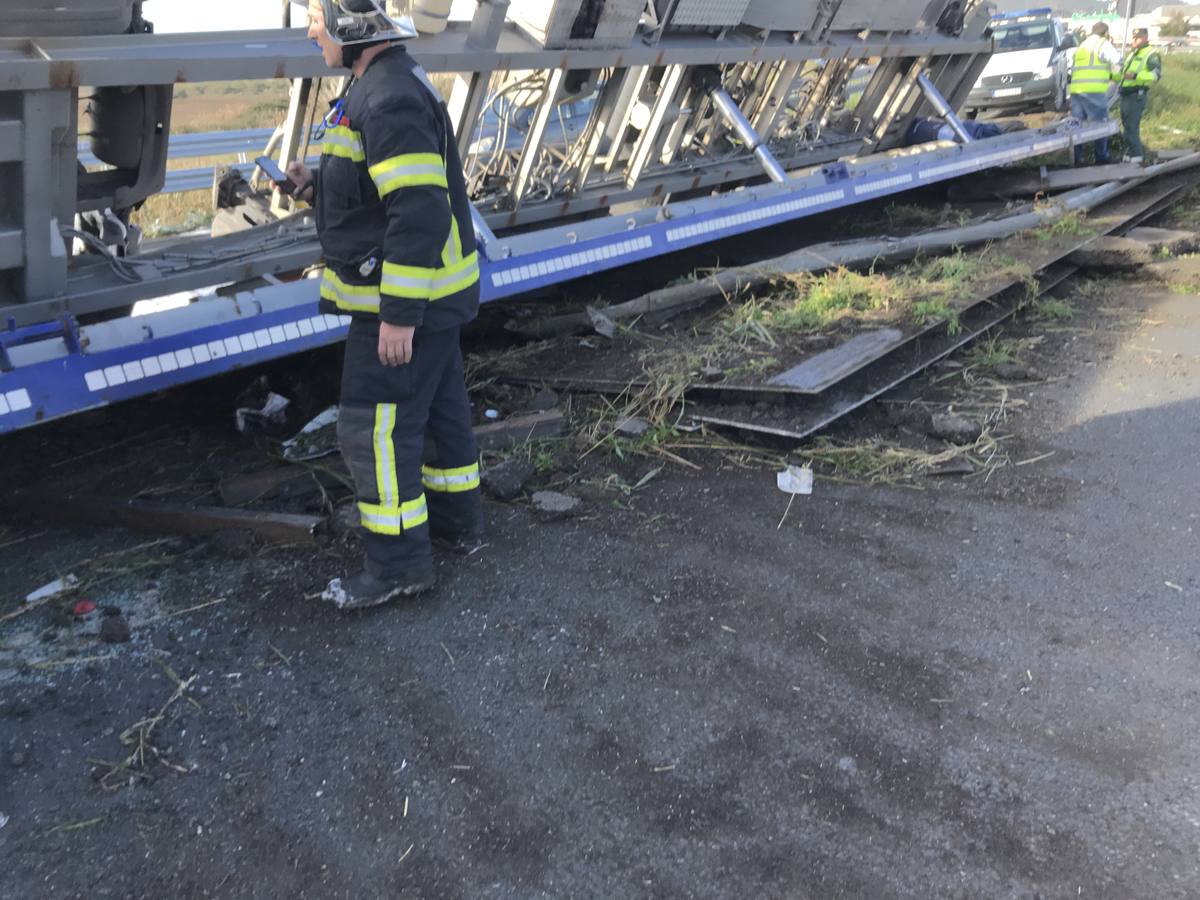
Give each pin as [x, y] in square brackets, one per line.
[595, 133]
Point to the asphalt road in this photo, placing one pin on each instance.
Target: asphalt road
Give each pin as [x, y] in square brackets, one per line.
[974, 690]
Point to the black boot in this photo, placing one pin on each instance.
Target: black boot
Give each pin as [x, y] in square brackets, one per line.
[364, 589]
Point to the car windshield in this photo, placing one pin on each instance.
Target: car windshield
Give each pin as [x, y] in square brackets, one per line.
[1029, 36]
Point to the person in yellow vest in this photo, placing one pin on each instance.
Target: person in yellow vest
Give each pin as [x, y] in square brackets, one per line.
[1142, 68]
[1095, 67]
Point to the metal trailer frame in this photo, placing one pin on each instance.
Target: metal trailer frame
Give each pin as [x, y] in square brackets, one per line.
[54, 369]
[661, 91]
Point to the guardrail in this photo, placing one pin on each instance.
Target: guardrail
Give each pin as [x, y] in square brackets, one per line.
[246, 144]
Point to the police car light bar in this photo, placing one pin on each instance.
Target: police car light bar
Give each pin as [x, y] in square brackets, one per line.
[1019, 13]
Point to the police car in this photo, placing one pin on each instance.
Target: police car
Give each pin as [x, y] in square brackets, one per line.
[1030, 64]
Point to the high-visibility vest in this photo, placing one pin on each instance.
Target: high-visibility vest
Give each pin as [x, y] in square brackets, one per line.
[1136, 64]
[1090, 74]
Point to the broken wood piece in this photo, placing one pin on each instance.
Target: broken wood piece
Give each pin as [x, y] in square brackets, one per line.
[1038, 181]
[519, 429]
[153, 516]
[242, 489]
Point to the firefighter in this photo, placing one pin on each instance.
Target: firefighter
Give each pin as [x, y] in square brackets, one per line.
[1095, 65]
[1142, 68]
[395, 225]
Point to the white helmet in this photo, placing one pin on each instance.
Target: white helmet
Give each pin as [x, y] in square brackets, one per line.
[364, 22]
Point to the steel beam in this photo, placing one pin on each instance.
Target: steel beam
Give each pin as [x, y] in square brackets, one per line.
[532, 149]
[68, 62]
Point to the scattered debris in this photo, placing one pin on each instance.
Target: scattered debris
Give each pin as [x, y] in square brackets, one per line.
[316, 439]
[114, 628]
[140, 737]
[519, 429]
[605, 327]
[3, 820]
[712, 374]
[1016, 372]
[83, 608]
[633, 426]
[1112, 254]
[492, 414]
[543, 400]
[507, 479]
[552, 503]
[954, 429]
[260, 409]
[52, 589]
[795, 480]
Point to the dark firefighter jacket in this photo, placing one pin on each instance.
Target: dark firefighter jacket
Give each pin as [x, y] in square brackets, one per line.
[392, 210]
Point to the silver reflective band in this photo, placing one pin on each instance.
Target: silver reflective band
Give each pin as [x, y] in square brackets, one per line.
[428, 285]
[472, 479]
[407, 519]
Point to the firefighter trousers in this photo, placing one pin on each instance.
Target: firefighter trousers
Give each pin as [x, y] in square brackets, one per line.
[386, 412]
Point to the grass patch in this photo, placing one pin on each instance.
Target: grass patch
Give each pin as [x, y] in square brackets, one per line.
[1172, 117]
[876, 461]
[992, 352]
[1052, 309]
[1072, 224]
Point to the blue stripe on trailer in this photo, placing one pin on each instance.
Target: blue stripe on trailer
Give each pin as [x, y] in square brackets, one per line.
[81, 381]
[76, 381]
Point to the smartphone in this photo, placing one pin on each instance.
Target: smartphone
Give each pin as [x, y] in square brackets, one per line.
[277, 175]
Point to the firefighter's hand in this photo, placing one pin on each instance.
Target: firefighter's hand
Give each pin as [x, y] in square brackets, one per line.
[395, 344]
[302, 177]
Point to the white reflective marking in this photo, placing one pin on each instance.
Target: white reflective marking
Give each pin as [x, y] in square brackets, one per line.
[263, 337]
[168, 362]
[18, 400]
[114, 375]
[216, 350]
[151, 367]
[95, 380]
[133, 371]
[184, 357]
[200, 352]
[247, 341]
[291, 332]
[3, 406]
[232, 346]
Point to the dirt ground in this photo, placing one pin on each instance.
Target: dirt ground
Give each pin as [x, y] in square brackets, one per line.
[953, 688]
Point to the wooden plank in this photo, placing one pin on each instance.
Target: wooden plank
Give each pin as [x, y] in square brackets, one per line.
[519, 429]
[172, 518]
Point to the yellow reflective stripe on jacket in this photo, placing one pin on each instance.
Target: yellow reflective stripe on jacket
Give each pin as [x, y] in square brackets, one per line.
[349, 297]
[408, 170]
[385, 455]
[450, 481]
[419, 283]
[345, 142]
[393, 520]
[1136, 66]
[452, 253]
[1089, 73]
